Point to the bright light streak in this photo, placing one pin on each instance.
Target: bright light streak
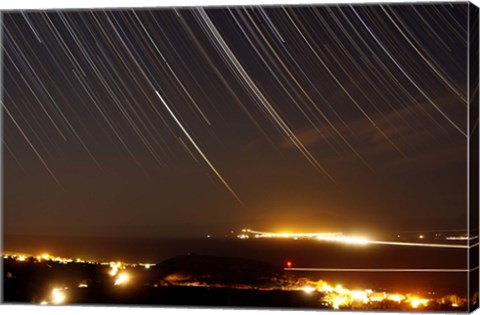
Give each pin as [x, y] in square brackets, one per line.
[121, 279]
[354, 240]
[460, 238]
[421, 244]
[230, 189]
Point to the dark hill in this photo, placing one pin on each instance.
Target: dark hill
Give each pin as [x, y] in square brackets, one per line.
[217, 270]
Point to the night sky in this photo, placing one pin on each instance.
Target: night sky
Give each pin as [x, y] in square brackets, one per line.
[192, 121]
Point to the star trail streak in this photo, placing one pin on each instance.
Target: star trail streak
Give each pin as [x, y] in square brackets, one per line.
[295, 111]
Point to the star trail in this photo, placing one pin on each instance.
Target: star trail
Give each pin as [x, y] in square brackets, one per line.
[238, 114]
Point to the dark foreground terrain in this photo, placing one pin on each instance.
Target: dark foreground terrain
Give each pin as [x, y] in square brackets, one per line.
[194, 280]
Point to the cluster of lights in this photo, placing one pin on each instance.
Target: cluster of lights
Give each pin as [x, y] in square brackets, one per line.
[115, 265]
[120, 277]
[333, 237]
[339, 297]
[335, 296]
[349, 240]
[59, 295]
[44, 257]
[47, 257]
[15, 256]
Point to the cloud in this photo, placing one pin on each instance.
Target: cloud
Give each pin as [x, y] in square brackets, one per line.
[419, 132]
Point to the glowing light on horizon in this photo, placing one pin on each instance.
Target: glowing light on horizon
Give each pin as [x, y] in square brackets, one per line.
[340, 238]
[260, 234]
[308, 290]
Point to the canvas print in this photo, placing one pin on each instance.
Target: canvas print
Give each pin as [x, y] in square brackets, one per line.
[312, 156]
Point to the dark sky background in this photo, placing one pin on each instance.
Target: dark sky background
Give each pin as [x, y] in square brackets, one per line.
[190, 121]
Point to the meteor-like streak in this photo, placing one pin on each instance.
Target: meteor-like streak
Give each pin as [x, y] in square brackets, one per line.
[200, 151]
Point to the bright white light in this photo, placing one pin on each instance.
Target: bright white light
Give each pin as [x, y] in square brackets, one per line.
[58, 296]
[114, 268]
[308, 290]
[344, 239]
[121, 279]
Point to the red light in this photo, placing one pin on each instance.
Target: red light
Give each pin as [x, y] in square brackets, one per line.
[289, 264]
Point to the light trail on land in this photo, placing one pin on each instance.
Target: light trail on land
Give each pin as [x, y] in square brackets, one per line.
[379, 270]
[420, 244]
